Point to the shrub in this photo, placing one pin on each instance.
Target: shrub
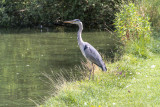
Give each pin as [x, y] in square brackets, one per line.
[133, 29]
[94, 13]
[152, 9]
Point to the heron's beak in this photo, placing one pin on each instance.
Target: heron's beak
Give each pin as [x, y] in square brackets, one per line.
[68, 22]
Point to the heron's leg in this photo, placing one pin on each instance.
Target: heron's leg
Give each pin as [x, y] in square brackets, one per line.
[90, 73]
[90, 70]
[93, 71]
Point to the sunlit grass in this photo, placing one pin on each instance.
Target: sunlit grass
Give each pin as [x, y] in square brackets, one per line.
[131, 81]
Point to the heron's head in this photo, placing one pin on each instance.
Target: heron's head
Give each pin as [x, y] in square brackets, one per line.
[75, 21]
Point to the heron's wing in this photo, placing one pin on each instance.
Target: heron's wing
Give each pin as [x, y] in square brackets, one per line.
[93, 55]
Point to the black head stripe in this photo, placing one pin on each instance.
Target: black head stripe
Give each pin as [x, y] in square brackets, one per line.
[85, 47]
[77, 20]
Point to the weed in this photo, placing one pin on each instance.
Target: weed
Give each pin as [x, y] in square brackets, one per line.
[133, 29]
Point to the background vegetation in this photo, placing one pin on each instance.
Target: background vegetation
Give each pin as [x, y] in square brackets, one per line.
[97, 14]
[150, 8]
[134, 30]
[29, 13]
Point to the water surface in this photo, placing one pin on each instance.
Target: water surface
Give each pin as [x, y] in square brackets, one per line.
[24, 56]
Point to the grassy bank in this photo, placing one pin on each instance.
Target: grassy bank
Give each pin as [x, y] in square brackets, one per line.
[131, 81]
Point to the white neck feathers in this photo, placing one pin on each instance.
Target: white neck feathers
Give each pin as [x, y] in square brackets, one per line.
[79, 37]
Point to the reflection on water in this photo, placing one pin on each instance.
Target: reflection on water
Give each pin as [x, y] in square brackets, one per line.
[25, 56]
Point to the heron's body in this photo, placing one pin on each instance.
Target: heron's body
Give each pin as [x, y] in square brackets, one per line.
[88, 51]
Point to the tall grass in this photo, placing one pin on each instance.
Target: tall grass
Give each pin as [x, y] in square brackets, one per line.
[134, 30]
[150, 8]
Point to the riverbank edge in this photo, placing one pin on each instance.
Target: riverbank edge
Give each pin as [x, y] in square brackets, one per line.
[130, 81]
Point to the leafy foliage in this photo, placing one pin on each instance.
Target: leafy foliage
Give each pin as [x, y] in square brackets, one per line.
[94, 13]
[133, 29]
[150, 8]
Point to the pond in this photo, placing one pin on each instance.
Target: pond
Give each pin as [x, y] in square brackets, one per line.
[25, 56]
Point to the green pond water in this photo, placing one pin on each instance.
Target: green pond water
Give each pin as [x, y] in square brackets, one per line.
[25, 56]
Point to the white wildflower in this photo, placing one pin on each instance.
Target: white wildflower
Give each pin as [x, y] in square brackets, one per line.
[153, 66]
[114, 103]
[85, 103]
[148, 86]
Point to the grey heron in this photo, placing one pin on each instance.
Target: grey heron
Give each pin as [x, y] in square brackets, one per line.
[88, 51]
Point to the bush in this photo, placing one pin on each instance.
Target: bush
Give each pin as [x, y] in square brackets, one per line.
[150, 8]
[133, 29]
[94, 13]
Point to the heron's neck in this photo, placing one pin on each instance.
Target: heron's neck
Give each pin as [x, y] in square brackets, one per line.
[79, 37]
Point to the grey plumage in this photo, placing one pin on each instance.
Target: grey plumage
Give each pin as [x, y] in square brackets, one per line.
[88, 50]
[93, 55]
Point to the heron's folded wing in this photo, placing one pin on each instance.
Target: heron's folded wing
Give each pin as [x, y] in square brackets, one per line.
[93, 55]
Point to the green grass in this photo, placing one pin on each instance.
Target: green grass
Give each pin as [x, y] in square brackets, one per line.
[131, 81]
